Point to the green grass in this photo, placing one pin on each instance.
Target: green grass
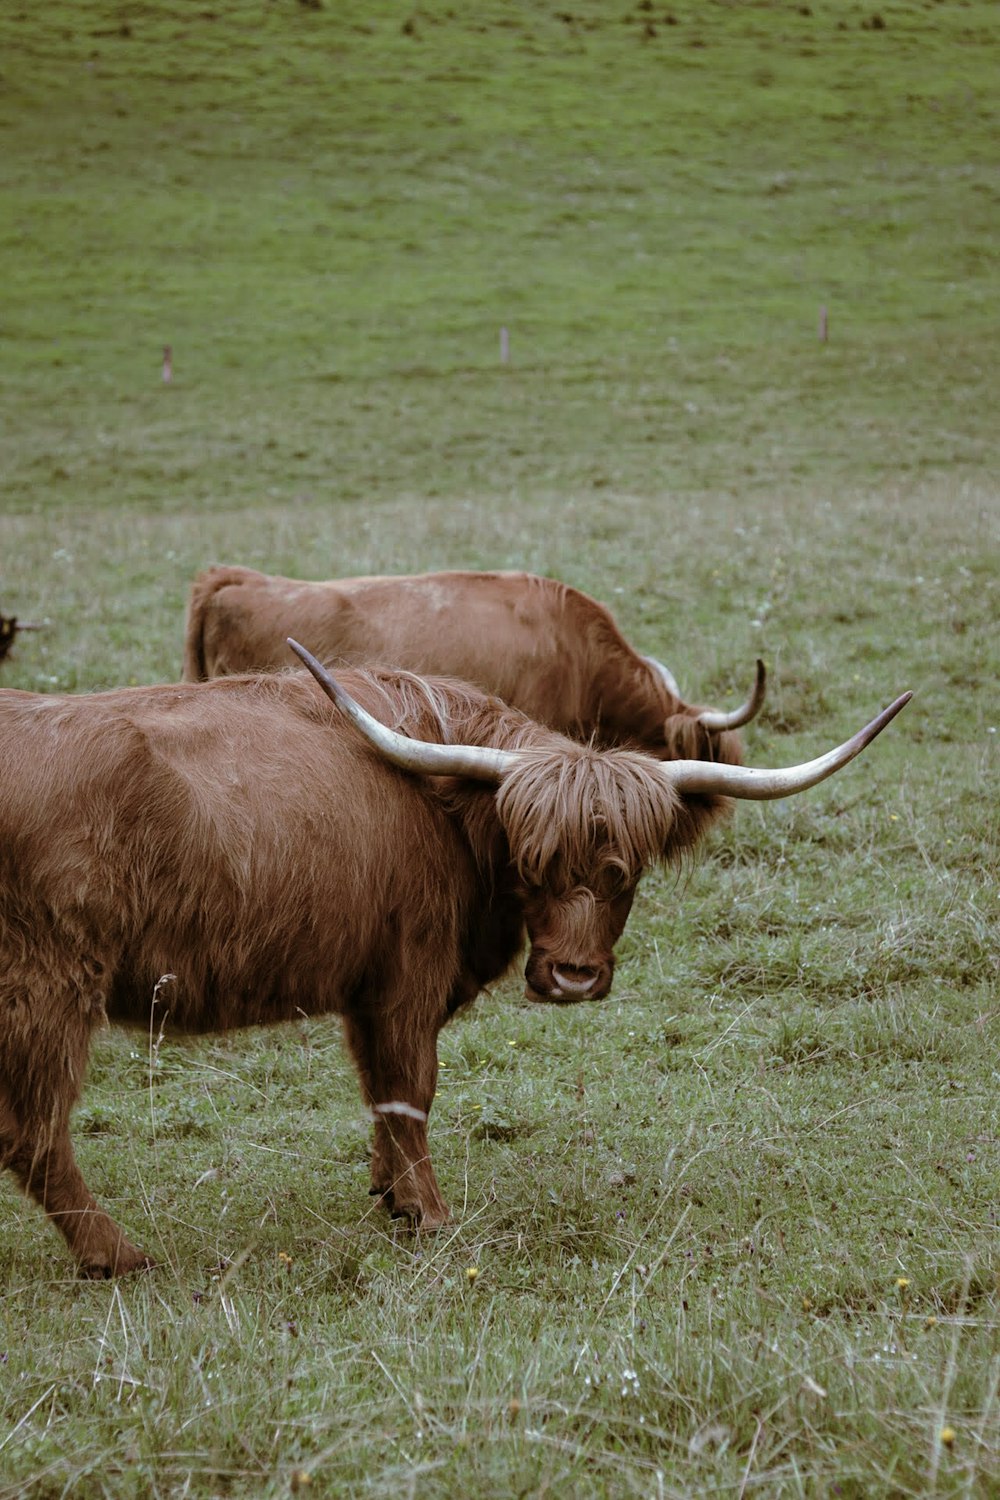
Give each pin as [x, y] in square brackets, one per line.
[689, 1210]
[317, 204]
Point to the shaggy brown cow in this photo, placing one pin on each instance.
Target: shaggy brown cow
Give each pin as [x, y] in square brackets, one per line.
[540, 645]
[242, 838]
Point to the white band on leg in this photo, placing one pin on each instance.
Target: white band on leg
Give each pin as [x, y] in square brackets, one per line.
[397, 1107]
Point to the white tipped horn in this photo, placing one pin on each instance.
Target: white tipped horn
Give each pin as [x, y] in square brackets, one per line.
[479, 762]
[691, 777]
[739, 716]
[668, 678]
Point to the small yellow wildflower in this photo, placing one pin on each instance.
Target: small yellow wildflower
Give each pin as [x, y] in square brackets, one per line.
[903, 1284]
[300, 1478]
[471, 1273]
[284, 1257]
[930, 1322]
[947, 1436]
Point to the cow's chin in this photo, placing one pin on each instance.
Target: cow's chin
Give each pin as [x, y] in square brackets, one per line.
[553, 984]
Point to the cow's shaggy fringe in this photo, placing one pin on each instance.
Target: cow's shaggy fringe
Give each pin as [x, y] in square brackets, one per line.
[589, 811]
[580, 808]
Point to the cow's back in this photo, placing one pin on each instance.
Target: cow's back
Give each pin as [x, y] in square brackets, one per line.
[534, 642]
[539, 644]
[505, 632]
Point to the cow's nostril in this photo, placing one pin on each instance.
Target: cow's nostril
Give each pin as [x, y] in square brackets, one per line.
[575, 980]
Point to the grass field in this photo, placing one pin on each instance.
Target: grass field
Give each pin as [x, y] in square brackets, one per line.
[735, 1232]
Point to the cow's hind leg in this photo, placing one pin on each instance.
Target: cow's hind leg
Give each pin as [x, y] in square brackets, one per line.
[41, 1069]
[42, 1159]
[398, 1083]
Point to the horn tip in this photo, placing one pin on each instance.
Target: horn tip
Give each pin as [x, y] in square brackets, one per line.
[886, 716]
[322, 676]
[306, 657]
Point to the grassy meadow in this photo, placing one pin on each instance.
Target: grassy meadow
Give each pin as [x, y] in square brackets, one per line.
[733, 1232]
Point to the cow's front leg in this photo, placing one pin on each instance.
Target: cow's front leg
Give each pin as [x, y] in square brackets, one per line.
[356, 1036]
[398, 1077]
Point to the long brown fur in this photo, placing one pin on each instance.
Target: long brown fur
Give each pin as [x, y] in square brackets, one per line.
[583, 807]
[538, 644]
[240, 836]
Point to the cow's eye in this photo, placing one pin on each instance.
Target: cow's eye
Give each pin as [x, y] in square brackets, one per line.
[614, 884]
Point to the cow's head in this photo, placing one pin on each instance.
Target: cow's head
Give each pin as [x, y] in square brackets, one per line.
[583, 825]
[691, 733]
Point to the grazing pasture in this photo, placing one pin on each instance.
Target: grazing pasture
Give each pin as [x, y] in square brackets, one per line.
[734, 1230]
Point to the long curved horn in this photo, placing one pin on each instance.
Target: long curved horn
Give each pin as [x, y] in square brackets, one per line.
[739, 716]
[481, 763]
[688, 777]
[698, 776]
[713, 721]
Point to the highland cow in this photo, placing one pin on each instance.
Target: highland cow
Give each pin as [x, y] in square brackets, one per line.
[277, 853]
[538, 644]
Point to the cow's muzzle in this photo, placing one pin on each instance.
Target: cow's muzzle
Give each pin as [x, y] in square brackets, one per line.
[565, 984]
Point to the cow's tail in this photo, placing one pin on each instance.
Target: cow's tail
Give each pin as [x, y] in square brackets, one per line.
[205, 586]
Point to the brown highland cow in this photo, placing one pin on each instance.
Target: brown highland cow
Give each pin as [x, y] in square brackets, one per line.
[243, 837]
[538, 644]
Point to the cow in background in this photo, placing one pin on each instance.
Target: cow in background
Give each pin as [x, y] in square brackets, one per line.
[538, 644]
[9, 627]
[236, 853]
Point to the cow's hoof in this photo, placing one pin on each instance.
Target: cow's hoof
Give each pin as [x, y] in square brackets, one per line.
[434, 1218]
[407, 1209]
[126, 1264]
[385, 1200]
[96, 1272]
[420, 1218]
